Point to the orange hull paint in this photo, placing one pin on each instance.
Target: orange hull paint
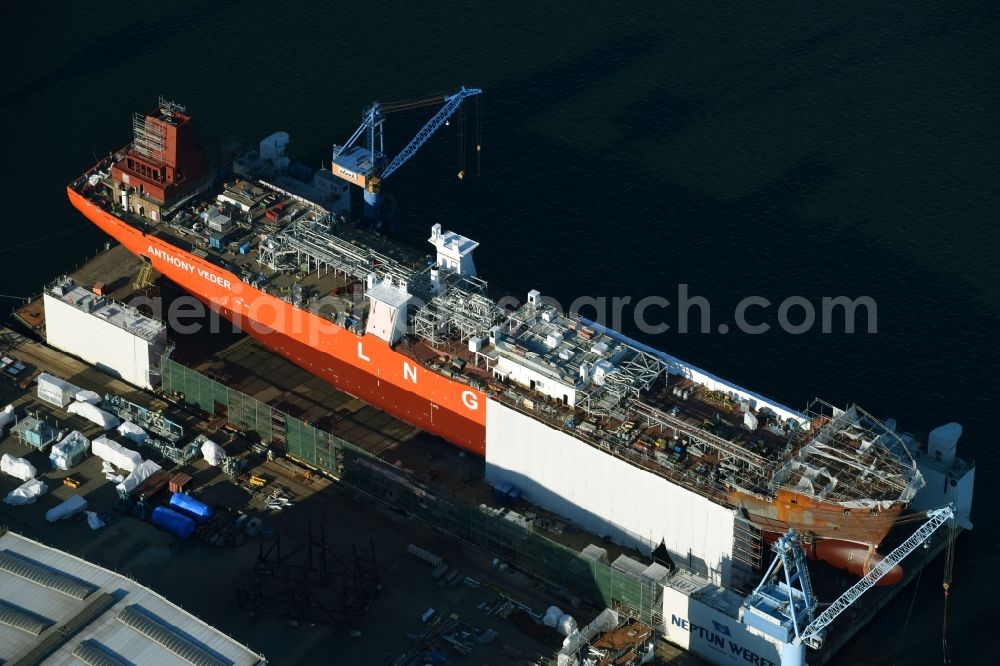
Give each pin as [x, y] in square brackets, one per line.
[822, 519]
[847, 556]
[362, 365]
[852, 557]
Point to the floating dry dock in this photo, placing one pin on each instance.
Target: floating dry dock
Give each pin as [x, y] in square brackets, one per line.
[622, 441]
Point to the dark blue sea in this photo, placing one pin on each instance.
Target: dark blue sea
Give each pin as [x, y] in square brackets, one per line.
[769, 149]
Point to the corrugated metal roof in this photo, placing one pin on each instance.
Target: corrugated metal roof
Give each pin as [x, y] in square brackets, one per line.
[55, 639]
[22, 567]
[136, 618]
[17, 617]
[95, 617]
[93, 653]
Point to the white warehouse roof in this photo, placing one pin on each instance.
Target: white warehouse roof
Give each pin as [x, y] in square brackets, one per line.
[47, 595]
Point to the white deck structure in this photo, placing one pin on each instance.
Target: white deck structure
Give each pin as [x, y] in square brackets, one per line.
[113, 336]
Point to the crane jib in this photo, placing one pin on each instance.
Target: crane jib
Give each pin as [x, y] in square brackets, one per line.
[812, 634]
[440, 118]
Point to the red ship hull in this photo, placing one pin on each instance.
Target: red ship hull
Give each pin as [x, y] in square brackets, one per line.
[361, 365]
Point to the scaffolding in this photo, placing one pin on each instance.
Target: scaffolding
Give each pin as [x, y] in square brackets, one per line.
[461, 311]
[514, 541]
[847, 454]
[620, 389]
[310, 242]
[150, 139]
[611, 639]
[34, 432]
[312, 583]
[170, 109]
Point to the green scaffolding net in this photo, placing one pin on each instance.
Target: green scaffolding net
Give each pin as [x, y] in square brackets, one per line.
[494, 532]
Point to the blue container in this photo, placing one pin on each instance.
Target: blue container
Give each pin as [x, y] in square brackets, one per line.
[177, 524]
[501, 490]
[513, 496]
[189, 506]
[244, 248]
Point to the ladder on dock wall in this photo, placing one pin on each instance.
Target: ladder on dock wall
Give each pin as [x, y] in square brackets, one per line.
[748, 549]
[144, 278]
[278, 438]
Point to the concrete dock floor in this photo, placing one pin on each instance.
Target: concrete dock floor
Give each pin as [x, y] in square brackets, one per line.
[204, 579]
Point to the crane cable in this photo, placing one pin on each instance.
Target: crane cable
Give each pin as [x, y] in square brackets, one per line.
[479, 132]
[39, 239]
[406, 105]
[460, 122]
[917, 517]
[906, 624]
[949, 565]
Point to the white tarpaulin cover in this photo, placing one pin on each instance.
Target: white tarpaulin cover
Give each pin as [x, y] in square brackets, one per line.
[26, 493]
[19, 468]
[566, 625]
[94, 414]
[606, 621]
[72, 506]
[114, 453]
[132, 431]
[552, 616]
[142, 471]
[89, 396]
[213, 453]
[70, 451]
[6, 416]
[56, 391]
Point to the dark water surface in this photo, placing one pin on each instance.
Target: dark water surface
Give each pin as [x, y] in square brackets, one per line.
[771, 148]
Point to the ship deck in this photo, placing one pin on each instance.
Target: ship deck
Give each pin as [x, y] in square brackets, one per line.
[667, 424]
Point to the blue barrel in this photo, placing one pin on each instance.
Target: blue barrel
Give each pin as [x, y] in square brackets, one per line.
[189, 506]
[177, 524]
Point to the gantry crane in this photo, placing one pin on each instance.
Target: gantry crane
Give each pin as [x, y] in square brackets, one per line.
[784, 609]
[367, 166]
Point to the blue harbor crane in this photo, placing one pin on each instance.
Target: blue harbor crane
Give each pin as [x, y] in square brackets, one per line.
[362, 159]
[783, 608]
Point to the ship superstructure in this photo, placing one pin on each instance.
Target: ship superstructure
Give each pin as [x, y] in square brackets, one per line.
[554, 402]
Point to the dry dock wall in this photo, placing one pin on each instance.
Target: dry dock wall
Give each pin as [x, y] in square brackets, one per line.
[98, 342]
[605, 495]
[711, 634]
